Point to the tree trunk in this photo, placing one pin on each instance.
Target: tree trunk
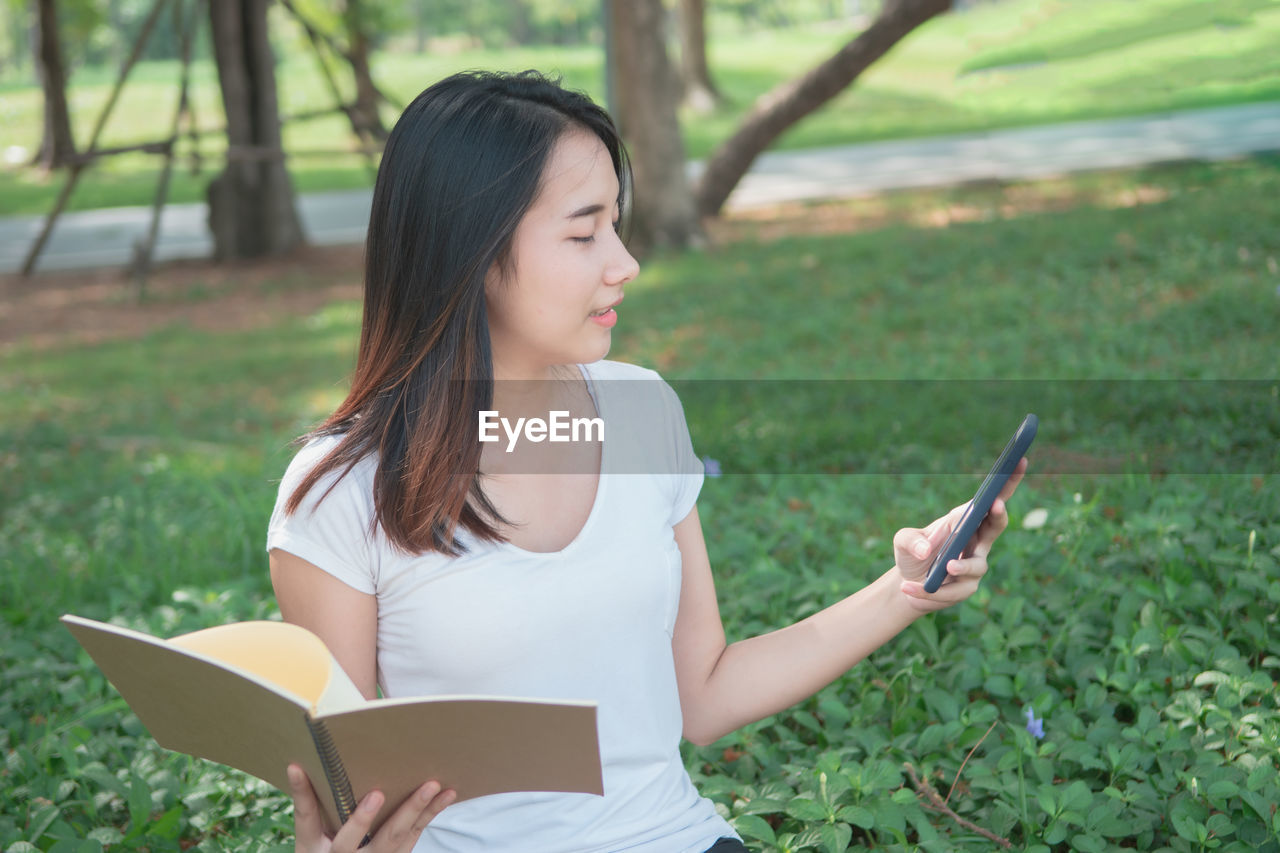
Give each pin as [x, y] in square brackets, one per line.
[779, 109]
[647, 90]
[251, 205]
[364, 116]
[57, 145]
[420, 25]
[519, 22]
[700, 94]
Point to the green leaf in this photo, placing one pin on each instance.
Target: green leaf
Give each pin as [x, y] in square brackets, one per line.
[1186, 826]
[1223, 789]
[139, 800]
[1263, 773]
[835, 836]
[1258, 803]
[1024, 635]
[882, 775]
[1046, 800]
[828, 763]
[84, 845]
[1077, 797]
[902, 796]
[943, 704]
[754, 826]
[803, 840]
[999, 685]
[169, 824]
[43, 818]
[806, 809]
[1220, 825]
[930, 739]
[106, 835]
[889, 815]
[858, 816]
[1211, 676]
[1089, 844]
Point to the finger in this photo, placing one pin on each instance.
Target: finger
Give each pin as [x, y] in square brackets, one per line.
[913, 547]
[912, 543]
[989, 531]
[307, 823]
[972, 568]
[1012, 485]
[353, 832]
[400, 831]
[421, 808]
[951, 592]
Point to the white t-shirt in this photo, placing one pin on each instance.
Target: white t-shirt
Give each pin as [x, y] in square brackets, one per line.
[592, 621]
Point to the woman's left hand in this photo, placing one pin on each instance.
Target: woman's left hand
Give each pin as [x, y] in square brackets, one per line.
[914, 550]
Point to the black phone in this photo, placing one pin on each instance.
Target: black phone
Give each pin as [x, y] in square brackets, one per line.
[982, 501]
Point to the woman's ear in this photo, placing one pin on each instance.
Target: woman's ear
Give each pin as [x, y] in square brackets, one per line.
[493, 280]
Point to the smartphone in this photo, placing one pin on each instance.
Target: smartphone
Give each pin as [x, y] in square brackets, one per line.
[982, 501]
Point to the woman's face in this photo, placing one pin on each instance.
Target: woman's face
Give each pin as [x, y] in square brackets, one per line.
[554, 304]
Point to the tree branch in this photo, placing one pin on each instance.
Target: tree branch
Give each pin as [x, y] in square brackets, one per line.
[938, 804]
[952, 789]
[779, 109]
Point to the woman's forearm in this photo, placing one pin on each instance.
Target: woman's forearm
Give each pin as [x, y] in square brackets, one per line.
[763, 675]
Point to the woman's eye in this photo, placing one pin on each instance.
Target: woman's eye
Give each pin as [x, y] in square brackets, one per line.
[590, 238]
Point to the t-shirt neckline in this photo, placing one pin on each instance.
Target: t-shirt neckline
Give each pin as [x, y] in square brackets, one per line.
[601, 481]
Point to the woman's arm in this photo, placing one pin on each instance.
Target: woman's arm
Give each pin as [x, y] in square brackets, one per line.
[723, 687]
[345, 618]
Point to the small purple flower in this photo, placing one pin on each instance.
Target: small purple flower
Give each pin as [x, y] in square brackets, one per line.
[1036, 727]
[711, 467]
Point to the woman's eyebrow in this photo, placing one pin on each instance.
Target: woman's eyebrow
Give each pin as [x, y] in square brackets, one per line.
[589, 210]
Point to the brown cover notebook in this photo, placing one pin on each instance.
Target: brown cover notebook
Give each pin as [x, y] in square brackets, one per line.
[260, 695]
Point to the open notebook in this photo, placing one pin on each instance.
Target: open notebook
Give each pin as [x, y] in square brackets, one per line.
[260, 695]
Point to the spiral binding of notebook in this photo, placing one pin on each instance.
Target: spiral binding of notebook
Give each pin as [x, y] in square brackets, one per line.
[339, 784]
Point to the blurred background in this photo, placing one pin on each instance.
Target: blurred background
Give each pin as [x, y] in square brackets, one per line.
[874, 235]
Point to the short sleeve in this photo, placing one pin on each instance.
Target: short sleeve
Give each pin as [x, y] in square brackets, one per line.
[332, 527]
[688, 471]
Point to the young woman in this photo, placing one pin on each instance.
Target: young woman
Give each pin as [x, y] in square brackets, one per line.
[433, 562]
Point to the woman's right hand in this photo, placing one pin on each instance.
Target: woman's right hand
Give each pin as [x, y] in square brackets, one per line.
[397, 835]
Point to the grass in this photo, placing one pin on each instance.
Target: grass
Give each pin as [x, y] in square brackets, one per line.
[1006, 64]
[1134, 614]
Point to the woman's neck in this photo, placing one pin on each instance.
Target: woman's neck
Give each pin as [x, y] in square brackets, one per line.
[532, 390]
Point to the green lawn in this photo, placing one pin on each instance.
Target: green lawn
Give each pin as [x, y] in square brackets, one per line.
[1004, 64]
[1137, 619]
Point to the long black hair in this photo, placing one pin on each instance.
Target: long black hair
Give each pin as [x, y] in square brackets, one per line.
[460, 169]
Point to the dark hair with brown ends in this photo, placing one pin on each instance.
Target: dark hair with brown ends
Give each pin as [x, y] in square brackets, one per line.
[459, 171]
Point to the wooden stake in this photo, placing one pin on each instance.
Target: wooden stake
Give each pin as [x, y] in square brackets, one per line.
[73, 176]
[146, 249]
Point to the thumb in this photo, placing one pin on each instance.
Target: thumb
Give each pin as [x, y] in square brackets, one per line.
[308, 824]
[914, 549]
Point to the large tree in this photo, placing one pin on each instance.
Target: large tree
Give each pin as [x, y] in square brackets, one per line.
[647, 89]
[57, 145]
[251, 202]
[785, 105]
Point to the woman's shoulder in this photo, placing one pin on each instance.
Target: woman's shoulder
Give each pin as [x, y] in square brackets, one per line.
[314, 450]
